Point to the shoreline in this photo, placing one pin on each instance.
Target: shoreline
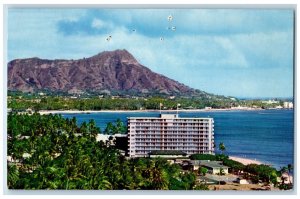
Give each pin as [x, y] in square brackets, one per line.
[42, 112]
[245, 161]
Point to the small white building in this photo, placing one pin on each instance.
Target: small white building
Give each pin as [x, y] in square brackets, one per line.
[288, 105]
[214, 167]
[42, 94]
[285, 178]
[102, 137]
[242, 181]
[270, 102]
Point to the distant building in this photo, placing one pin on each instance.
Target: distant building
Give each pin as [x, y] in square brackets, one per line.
[37, 100]
[242, 181]
[41, 94]
[29, 110]
[270, 102]
[240, 108]
[102, 137]
[75, 91]
[286, 178]
[288, 105]
[214, 167]
[115, 97]
[170, 133]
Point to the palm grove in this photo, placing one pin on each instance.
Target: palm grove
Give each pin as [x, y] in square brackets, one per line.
[50, 152]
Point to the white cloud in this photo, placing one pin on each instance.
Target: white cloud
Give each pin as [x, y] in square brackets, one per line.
[273, 49]
[97, 23]
[234, 57]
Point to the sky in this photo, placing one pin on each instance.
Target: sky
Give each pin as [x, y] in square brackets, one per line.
[231, 52]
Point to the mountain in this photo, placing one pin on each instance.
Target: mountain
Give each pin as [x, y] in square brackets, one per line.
[107, 72]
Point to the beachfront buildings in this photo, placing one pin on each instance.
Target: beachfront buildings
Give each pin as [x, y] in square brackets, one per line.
[288, 105]
[169, 132]
[214, 167]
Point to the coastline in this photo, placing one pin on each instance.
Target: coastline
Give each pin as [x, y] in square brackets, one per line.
[245, 161]
[242, 160]
[42, 112]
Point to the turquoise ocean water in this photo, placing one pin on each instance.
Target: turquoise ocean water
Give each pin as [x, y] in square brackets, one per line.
[265, 135]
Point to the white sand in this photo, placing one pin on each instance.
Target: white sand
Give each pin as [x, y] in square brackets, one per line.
[42, 112]
[245, 161]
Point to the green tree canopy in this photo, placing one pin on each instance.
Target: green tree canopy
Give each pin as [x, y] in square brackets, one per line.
[50, 152]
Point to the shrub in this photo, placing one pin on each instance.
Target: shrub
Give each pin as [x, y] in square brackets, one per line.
[203, 157]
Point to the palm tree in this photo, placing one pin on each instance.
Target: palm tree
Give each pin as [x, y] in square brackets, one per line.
[138, 167]
[101, 181]
[160, 175]
[202, 171]
[283, 170]
[94, 130]
[289, 168]
[110, 129]
[222, 147]
[12, 175]
[120, 127]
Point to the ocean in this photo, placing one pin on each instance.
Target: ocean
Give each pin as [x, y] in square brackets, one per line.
[264, 135]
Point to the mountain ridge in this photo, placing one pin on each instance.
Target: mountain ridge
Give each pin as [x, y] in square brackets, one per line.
[105, 72]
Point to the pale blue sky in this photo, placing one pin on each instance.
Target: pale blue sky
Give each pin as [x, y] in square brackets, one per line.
[232, 52]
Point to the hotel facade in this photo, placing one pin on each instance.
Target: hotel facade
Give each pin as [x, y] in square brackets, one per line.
[169, 132]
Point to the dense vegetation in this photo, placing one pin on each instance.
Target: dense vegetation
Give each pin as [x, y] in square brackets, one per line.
[118, 127]
[167, 152]
[262, 173]
[50, 152]
[23, 101]
[203, 157]
[96, 103]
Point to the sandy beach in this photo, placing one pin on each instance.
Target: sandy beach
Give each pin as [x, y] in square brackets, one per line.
[245, 161]
[43, 112]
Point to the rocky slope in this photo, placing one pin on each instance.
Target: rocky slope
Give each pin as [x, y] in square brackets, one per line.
[107, 72]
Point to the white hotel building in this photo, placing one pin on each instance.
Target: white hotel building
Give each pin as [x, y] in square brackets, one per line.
[170, 132]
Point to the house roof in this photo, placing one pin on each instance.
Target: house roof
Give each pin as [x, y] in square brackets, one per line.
[214, 165]
[167, 152]
[210, 164]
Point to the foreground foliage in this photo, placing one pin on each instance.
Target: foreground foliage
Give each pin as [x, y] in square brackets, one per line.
[50, 152]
